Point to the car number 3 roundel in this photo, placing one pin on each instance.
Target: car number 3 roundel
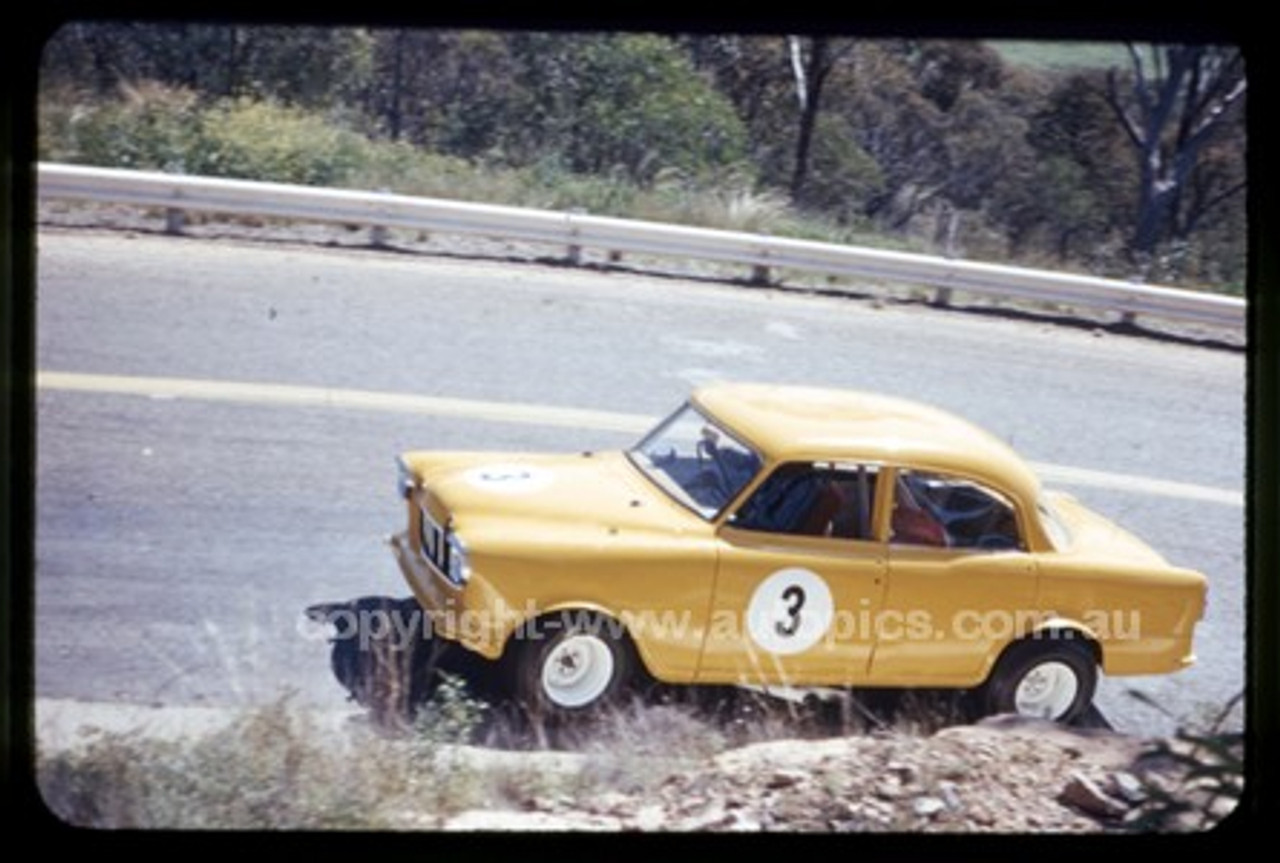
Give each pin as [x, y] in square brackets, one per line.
[789, 611]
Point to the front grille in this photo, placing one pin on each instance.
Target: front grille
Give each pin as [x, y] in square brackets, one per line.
[435, 549]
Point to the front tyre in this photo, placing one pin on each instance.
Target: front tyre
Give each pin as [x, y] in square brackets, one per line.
[1052, 680]
[576, 667]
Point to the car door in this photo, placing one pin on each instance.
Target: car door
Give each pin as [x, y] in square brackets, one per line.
[960, 584]
[798, 581]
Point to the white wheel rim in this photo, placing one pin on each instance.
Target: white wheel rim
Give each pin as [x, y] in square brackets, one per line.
[577, 671]
[1046, 691]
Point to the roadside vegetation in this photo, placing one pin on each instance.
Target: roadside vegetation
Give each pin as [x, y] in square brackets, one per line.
[1087, 158]
[743, 764]
[274, 767]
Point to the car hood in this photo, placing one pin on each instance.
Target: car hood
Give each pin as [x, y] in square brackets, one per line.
[595, 492]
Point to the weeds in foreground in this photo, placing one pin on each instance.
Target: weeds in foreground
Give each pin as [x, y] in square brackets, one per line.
[278, 767]
[273, 767]
[263, 770]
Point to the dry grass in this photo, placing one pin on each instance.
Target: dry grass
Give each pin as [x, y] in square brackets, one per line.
[273, 767]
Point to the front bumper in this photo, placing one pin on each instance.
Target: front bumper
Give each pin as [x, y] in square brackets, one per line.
[470, 616]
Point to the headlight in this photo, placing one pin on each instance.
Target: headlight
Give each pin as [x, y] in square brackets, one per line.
[406, 482]
[459, 570]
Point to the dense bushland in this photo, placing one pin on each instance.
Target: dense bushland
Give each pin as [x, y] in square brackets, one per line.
[1129, 165]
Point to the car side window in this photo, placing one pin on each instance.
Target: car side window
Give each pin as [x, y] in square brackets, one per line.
[813, 499]
[935, 510]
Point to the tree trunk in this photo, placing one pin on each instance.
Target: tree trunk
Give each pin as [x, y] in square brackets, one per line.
[810, 78]
[1170, 119]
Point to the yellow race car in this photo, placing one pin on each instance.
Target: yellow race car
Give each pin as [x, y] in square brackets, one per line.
[777, 536]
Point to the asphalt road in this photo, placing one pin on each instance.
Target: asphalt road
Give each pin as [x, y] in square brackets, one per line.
[180, 534]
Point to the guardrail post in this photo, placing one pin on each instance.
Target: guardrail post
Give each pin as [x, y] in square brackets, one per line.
[174, 220]
[379, 234]
[575, 249]
[760, 276]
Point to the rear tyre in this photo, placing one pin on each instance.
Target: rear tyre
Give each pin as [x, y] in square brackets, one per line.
[1052, 680]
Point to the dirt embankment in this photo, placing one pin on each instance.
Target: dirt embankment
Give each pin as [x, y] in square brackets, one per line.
[1000, 775]
[1005, 775]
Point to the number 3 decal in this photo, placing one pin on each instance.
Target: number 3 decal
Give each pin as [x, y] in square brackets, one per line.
[795, 595]
[789, 611]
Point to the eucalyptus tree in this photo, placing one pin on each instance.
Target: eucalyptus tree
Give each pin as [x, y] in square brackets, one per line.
[1175, 102]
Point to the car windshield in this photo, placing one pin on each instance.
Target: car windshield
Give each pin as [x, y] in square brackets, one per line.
[696, 461]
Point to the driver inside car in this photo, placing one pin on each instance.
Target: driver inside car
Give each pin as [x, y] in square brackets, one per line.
[912, 524]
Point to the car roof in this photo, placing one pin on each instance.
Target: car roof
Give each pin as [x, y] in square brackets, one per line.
[789, 423]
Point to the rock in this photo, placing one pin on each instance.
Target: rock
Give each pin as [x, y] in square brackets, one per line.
[715, 818]
[889, 787]
[1127, 787]
[982, 817]
[785, 779]
[1085, 794]
[837, 815]
[927, 807]
[873, 811]
[647, 818]
[611, 803]
[742, 823]
[950, 795]
[905, 772]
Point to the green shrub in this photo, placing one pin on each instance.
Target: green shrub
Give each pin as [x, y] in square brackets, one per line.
[165, 129]
[153, 127]
[264, 141]
[150, 127]
[627, 104]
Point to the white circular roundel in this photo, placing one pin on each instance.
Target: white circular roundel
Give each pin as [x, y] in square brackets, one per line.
[508, 478]
[790, 611]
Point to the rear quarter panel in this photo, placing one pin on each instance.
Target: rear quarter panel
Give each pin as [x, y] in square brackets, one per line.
[1143, 617]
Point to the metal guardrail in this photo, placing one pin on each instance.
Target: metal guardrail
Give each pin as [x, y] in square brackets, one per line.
[178, 193]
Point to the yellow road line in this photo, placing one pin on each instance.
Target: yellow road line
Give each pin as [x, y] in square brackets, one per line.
[327, 397]
[524, 414]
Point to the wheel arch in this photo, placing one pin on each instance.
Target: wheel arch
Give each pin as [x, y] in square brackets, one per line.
[554, 617]
[1067, 629]
[1055, 629]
